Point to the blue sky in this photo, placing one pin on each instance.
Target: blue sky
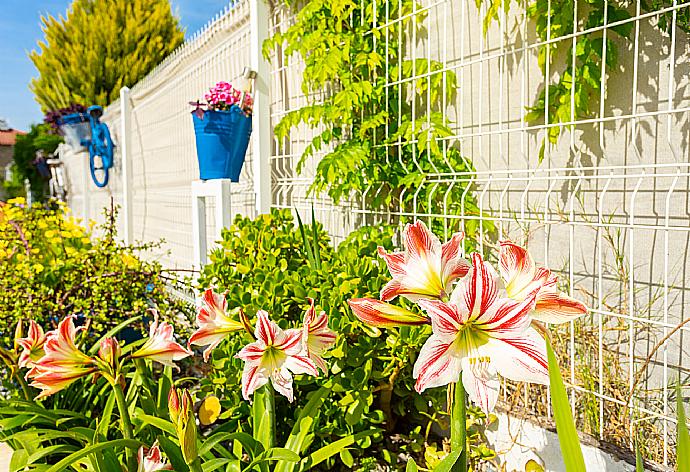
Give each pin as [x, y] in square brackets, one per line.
[20, 30]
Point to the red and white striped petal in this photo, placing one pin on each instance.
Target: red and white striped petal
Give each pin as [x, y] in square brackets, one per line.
[253, 377]
[282, 382]
[481, 383]
[213, 321]
[316, 336]
[252, 352]
[32, 345]
[454, 265]
[446, 320]
[420, 243]
[380, 314]
[417, 272]
[522, 358]
[161, 345]
[478, 291]
[301, 365]
[436, 365]
[517, 268]
[507, 317]
[265, 328]
[557, 308]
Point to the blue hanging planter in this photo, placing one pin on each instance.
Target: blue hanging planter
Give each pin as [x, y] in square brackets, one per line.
[222, 138]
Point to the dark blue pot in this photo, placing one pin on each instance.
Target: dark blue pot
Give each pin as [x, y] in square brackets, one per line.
[222, 138]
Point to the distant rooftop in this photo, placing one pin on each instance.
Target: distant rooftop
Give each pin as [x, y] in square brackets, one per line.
[9, 136]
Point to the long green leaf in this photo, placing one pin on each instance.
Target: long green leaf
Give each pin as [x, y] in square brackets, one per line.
[250, 444]
[334, 448]
[214, 464]
[639, 462]
[263, 412]
[683, 440]
[164, 425]
[305, 242]
[304, 426]
[448, 462]
[274, 454]
[104, 419]
[317, 249]
[411, 466]
[565, 426]
[72, 458]
[113, 332]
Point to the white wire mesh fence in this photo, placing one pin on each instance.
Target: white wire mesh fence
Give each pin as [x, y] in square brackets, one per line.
[606, 204]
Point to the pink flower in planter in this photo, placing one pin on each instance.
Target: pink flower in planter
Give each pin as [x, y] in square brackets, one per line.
[316, 336]
[161, 346]
[275, 355]
[380, 314]
[213, 321]
[477, 336]
[63, 362]
[32, 345]
[426, 268]
[150, 460]
[522, 277]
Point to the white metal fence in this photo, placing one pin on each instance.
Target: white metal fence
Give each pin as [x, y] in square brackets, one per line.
[608, 206]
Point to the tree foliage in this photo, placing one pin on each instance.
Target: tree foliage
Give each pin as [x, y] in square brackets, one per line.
[99, 47]
[39, 138]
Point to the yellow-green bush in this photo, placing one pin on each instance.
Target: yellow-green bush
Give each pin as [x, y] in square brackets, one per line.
[51, 267]
[99, 47]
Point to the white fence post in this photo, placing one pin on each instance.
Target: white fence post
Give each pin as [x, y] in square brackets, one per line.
[126, 156]
[219, 190]
[259, 12]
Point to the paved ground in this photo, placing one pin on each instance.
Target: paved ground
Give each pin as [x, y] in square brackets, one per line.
[5, 454]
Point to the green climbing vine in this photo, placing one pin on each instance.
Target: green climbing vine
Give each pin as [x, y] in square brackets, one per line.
[576, 93]
[380, 117]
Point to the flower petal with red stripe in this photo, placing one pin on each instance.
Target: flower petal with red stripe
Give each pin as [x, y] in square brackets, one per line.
[522, 276]
[213, 321]
[426, 269]
[477, 336]
[276, 355]
[161, 345]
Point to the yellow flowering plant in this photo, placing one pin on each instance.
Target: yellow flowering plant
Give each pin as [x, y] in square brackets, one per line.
[51, 266]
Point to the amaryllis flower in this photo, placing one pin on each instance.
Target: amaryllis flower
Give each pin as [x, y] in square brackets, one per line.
[213, 321]
[32, 345]
[63, 362]
[161, 346]
[150, 460]
[522, 276]
[316, 337]
[380, 314]
[426, 268]
[478, 335]
[275, 355]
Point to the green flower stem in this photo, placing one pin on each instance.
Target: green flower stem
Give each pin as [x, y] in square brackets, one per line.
[263, 411]
[458, 425]
[23, 384]
[127, 431]
[195, 466]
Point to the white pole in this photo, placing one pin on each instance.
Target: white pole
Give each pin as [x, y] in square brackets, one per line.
[261, 122]
[126, 156]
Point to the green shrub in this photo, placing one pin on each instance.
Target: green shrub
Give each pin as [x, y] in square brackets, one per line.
[262, 265]
[51, 267]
